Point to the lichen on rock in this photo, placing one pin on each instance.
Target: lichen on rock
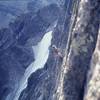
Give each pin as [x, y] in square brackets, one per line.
[80, 44]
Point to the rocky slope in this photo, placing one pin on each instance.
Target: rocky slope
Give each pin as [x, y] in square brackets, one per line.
[75, 26]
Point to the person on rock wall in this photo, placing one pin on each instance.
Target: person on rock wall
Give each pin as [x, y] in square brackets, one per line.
[57, 51]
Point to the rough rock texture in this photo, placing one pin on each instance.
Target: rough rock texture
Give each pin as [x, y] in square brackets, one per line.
[76, 76]
[83, 41]
[92, 89]
[65, 79]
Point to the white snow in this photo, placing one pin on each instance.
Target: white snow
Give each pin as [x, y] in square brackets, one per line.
[41, 52]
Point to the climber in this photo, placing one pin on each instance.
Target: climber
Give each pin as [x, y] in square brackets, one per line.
[57, 51]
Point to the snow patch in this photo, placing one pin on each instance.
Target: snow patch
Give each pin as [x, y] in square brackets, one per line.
[41, 55]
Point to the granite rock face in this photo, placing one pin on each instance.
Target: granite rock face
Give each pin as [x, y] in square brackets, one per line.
[75, 26]
[82, 45]
[92, 89]
[66, 79]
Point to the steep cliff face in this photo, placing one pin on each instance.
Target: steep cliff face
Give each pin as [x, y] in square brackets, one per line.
[92, 89]
[67, 78]
[83, 41]
[75, 76]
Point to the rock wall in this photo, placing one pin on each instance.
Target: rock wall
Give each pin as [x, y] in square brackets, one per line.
[75, 25]
[92, 89]
[81, 46]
